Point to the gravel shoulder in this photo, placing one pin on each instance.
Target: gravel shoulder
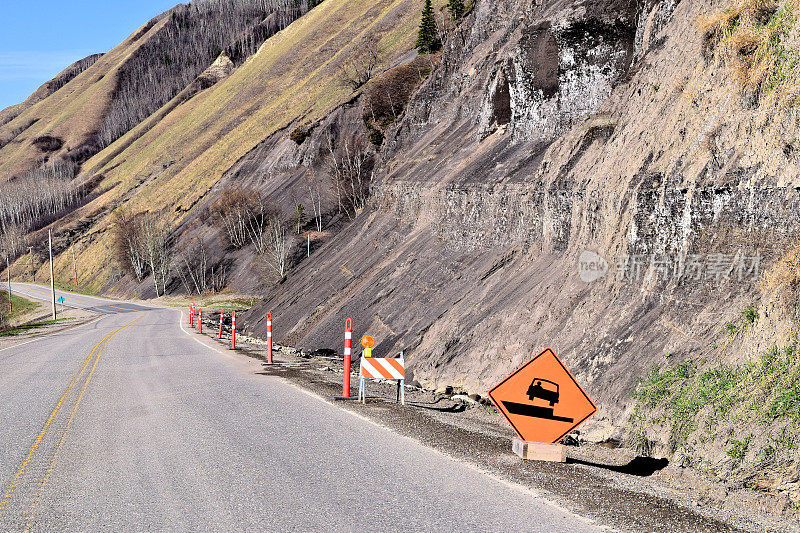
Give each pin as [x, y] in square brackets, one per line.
[600, 480]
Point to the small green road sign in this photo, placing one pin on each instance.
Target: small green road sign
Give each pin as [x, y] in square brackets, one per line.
[61, 300]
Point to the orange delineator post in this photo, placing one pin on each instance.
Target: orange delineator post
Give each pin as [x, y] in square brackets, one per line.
[221, 316]
[233, 330]
[200, 320]
[191, 315]
[348, 348]
[269, 338]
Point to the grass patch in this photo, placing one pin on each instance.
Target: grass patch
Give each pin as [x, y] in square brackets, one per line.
[70, 287]
[214, 302]
[755, 39]
[19, 306]
[748, 317]
[692, 402]
[16, 330]
[738, 448]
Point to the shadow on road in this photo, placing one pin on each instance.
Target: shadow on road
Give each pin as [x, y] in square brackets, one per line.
[638, 466]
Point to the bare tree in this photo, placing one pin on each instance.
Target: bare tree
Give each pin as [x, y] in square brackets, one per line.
[141, 245]
[279, 244]
[350, 169]
[244, 214]
[192, 267]
[197, 272]
[157, 250]
[444, 25]
[363, 65]
[316, 204]
[219, 277]
[127, 244]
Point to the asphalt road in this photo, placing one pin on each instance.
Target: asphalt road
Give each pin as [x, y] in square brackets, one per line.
[131, 423]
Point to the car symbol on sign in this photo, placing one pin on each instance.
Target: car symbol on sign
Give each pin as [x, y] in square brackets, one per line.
[548, 393]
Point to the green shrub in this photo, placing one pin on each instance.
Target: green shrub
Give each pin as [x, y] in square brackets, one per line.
[758, 393]
[738, 448]
[376, 137]
[750, 315]
[768, 453]
[299, 134]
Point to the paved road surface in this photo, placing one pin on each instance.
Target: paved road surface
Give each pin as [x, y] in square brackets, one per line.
[130, 423]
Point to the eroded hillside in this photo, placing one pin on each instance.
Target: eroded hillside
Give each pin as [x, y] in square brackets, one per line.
[554, 130]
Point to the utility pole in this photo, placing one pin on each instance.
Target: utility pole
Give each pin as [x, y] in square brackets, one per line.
[33, 272]
[75, 267]
[52, 280]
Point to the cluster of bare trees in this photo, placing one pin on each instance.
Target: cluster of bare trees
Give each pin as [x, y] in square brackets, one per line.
[350, 170]
[33, 199]
[191, 40]
[12, 240]
[142, 247]
[197, 271]
[246, 216]
[69, 73]
[38, 194]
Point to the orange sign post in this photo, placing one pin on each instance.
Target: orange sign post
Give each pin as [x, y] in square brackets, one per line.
[543, 403]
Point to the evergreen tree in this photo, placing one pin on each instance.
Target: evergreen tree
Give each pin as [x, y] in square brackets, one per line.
[427, 40]
[456, 8]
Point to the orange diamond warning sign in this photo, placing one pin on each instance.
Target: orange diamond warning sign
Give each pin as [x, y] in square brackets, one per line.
[542, 400]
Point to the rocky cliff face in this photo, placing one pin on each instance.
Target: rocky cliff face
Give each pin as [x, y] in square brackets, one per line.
[550, 130]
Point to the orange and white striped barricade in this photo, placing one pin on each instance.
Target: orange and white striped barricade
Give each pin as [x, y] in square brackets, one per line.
[392, 368]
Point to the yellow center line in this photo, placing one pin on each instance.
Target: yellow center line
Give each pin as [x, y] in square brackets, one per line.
[123, 308]
[36, 443]
[52, 464]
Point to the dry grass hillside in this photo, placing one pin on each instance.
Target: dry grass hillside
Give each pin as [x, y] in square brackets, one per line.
[46, 89]
[175, 161]
[73, 114]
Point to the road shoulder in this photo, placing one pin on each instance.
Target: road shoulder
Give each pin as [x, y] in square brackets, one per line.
[592, 484]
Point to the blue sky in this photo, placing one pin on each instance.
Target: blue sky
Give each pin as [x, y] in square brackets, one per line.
[41, 37]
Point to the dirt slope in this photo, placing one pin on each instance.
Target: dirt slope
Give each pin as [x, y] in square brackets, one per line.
[550, 131]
